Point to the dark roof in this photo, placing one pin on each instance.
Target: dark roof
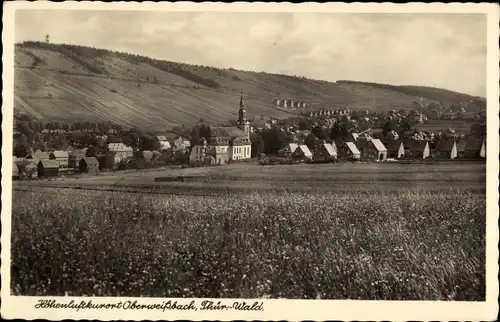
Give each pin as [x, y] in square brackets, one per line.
[79, 152]
[40, 155]
[49, 164]
[393, 145]
[26, 163]
[227, 132]
[461, 146]
[90, 161]
[473, 145]
[415, 145]
[445, 145]
[60, 154]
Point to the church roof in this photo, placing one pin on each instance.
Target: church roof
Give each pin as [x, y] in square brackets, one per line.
[226, 132]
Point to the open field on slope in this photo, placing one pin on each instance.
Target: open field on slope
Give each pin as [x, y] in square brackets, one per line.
[124, 91]
[297, 178]
[436, 126]
[411, 245]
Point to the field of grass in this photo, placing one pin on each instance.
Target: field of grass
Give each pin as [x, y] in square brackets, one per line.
[412, 244]
[339, 177]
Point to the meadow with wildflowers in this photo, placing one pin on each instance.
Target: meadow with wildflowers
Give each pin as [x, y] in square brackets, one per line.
[400, 245]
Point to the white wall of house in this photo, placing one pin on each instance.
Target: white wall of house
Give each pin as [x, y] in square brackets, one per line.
[239, 152]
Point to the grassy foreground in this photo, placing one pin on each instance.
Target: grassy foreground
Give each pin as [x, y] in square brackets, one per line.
[411, 245]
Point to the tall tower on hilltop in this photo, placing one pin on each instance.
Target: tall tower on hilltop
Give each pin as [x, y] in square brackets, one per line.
[243, 122]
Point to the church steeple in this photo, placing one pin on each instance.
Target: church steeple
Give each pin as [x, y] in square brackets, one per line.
[243, 122]
[242, 105]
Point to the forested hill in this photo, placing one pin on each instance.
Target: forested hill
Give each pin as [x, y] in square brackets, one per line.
[64, 83]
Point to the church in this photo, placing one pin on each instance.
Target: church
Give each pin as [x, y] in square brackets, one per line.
[225, 143]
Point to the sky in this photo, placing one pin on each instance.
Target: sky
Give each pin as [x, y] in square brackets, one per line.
[439, 50]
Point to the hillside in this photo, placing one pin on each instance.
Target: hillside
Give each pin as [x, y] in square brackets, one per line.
[64, 83]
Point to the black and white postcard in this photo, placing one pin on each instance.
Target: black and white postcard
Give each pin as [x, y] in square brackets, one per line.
[250, 161]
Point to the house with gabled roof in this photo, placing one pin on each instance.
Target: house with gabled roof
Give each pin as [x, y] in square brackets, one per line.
[48, 168]
[38, 155]
[62, 157]
[475, 148]
[395, 149]
[325, 152]
[121, 149]
[75, 156]
[302, 153]
[417, 149]
[288, 149]
[164, 143]
[446, 149]
[373, 150]
[348, 151]
[89, 165]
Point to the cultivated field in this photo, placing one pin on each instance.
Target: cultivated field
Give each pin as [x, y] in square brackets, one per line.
[332, 239]
[250, 177]
[124, 92]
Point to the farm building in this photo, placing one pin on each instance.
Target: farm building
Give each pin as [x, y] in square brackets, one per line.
[475, 149]
[349, 151]
[28, 169]
[325, 152]
[62, 158]
[288, 150]
[417, 149]
[302, 152]
[75, 157]
[395, 149]
[373, 150]
[48, 168]
[446, 149]
[89, 165]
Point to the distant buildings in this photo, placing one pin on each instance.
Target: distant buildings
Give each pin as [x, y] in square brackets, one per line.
[289, 103]
[121, 150]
